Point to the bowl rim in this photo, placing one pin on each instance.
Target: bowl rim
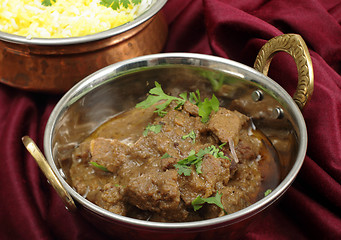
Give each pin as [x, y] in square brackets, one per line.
[96, 79]
[156, 6]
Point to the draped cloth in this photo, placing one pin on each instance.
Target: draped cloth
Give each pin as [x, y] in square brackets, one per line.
[234, 29]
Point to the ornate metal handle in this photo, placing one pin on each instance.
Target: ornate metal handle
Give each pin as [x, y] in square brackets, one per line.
[50, 175]
[294, 45]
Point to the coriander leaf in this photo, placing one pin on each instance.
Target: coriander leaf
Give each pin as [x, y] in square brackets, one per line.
[183, 169]
[267, 192]
[181, 103]
[216, 152]
[157, 95]
[206, 107]
[195, 159]
[152, 128]
[199, 202]
[191, 135]
[194, 97]
[47, 3]
[222, 145]
[99, 166]
[125, 3]
[166, 155]
[183, 165]
[114, 4]
[135, 2]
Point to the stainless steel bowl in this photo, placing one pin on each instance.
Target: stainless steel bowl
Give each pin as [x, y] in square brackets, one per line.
[120, 86]
[56, 64]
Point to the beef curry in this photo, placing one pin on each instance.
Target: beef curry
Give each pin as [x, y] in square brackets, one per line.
[169, 162]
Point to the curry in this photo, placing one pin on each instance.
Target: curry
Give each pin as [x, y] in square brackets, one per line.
[175, 159]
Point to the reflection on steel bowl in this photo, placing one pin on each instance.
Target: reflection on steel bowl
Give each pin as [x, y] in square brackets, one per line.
[87, 108]
[56, 64]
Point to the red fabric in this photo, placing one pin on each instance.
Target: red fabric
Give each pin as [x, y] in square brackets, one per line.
[234, 29]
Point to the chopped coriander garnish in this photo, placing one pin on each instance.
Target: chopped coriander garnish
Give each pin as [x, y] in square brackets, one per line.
[99, 166]
[152, 128]
[199, 202]
[157, 95]
[206, 107]
[267, 192]
[115, 4]
[217, 153]
[47, 2]
[166, 155]
[194, 97]
[222, 145]
[184, 165]
[191, 135]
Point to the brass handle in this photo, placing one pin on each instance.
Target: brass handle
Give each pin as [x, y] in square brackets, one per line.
[50, 175]
[294, 45]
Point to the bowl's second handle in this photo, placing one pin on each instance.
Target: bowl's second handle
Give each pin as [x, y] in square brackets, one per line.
[50, 175]
[294, 45]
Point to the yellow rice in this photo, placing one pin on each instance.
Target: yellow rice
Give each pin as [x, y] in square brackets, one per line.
[65, 18]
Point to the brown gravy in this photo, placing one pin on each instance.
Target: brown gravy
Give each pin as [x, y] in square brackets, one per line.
[131, 172]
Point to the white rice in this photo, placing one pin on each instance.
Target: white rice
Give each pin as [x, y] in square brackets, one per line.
[65, 18]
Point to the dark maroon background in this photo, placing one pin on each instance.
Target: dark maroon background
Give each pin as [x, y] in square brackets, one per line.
[234, 29]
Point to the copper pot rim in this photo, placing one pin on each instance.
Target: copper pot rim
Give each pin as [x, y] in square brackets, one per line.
[156, 6]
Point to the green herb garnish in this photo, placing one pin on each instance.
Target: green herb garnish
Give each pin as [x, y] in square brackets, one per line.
[99, 166]
[199, 202]
[115, 4]
[152, 128]
[47, 3]
[191, 135]
[166, 155]
[194, 97]
[205, 107]
[216, 151]
[157, 95]
[267, 192]
[184, 165]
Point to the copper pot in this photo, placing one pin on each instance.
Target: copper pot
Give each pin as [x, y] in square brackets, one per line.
[120, 86]
[55, 65]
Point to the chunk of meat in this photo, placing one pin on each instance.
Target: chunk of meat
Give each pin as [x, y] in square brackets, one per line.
[154, 191]
[111, 198]
[193, 186]
[226, 124]
[215, 170]
[110, 153]
[168, 163]
[191, 108]
[233, 199]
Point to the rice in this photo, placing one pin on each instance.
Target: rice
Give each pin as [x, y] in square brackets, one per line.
[65, 18]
